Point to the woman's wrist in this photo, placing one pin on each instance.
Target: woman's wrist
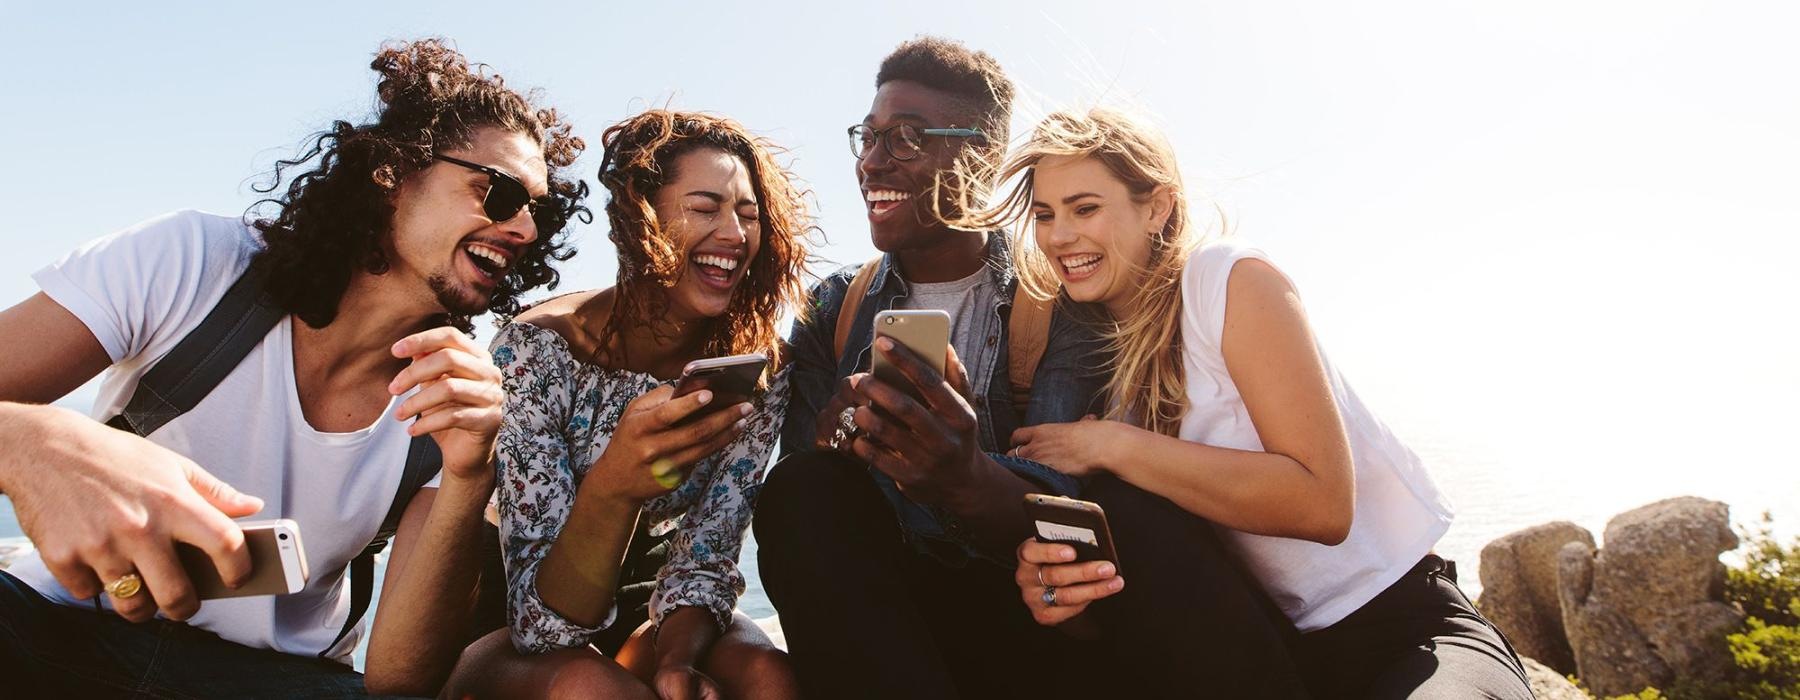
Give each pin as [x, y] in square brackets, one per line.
[1119, 440]
[600, 487]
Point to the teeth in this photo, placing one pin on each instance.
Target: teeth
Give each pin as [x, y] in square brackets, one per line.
[487, 254]
[886, 196]
[724, 263]
[1074, 261]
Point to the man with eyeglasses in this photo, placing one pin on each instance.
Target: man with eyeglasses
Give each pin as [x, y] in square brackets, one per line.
[313, 365]
[886, 533]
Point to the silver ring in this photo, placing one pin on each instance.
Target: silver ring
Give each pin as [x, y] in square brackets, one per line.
[846, 428]
[1049, 596]
[1041, 578]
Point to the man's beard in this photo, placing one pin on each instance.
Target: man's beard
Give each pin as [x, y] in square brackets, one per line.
[456, 299]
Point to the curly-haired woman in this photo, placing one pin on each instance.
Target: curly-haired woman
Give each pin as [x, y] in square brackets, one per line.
[448, 203]
[622, 507]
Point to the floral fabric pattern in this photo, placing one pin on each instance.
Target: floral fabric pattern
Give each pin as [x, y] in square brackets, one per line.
[559, 416]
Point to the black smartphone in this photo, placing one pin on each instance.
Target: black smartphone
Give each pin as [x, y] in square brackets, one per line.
[1081, 524]
[732, 380]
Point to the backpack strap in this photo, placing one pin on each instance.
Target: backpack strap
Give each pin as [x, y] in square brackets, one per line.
[859, 287]
[1027, 329]
[423, 460]
[203, 358]
[1027, 333]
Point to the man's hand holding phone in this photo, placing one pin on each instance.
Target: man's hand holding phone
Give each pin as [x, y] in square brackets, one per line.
[928, 444]
[116, 508]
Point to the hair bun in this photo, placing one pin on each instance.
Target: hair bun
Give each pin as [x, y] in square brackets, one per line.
[422, 71]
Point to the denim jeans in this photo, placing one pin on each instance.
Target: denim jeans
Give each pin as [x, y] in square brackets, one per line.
[1069, 383]
[50, 650]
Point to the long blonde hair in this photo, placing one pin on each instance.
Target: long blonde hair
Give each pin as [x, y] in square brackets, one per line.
[1147, 387]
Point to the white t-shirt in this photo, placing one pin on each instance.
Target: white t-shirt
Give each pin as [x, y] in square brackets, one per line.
[140, 291]
[1400, 514]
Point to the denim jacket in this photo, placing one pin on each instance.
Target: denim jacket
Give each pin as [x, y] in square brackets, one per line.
[1066, 386]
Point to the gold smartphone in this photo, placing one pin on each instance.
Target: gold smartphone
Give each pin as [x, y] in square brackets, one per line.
[277, 562]
[925, 332]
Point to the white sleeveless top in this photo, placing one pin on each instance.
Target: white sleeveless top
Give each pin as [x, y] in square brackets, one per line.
[1400, 514]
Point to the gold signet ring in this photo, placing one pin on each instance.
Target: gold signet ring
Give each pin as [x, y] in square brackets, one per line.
[125, 586]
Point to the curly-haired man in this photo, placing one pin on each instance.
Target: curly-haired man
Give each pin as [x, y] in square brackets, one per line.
[346, 313]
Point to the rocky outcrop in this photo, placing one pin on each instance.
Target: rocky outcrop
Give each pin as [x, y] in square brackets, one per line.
[1547, 684]
[1648, 607]
[1518, 579]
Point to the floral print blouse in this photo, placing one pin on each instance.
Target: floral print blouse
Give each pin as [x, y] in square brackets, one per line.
[560, 414]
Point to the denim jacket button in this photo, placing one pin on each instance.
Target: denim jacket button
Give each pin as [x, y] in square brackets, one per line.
[991, 340]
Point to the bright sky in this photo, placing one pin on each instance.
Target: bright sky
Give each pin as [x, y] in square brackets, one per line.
[1551, 241]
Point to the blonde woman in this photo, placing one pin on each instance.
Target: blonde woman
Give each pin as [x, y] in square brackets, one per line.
[1223, 406]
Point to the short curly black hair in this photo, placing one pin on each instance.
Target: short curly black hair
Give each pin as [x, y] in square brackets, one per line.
[333, 220]
[974, 77]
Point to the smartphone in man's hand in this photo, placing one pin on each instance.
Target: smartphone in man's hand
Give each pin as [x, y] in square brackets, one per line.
[925, 332]
[277, 562]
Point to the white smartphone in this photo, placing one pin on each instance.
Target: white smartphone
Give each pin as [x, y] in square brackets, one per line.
[925, 332]
[277, 562]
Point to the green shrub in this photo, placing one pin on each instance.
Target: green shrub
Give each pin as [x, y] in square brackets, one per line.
[1768, 661]
[1768, 584]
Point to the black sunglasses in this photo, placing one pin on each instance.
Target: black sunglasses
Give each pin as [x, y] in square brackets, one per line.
[506, 196]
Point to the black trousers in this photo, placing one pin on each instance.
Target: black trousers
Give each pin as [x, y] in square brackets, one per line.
[867, 616]
[1421, 638]
[1191, 621]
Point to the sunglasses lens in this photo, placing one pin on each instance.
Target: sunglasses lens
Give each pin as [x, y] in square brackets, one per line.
[504, 198]
[547, 216]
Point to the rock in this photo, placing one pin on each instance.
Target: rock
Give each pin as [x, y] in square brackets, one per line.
[1692, 639]
[1665, 556]
[1646, 609]
[1547, 684]
[1518, 579]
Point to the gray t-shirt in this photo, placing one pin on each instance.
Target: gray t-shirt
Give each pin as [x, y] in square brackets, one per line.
[970, 303]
